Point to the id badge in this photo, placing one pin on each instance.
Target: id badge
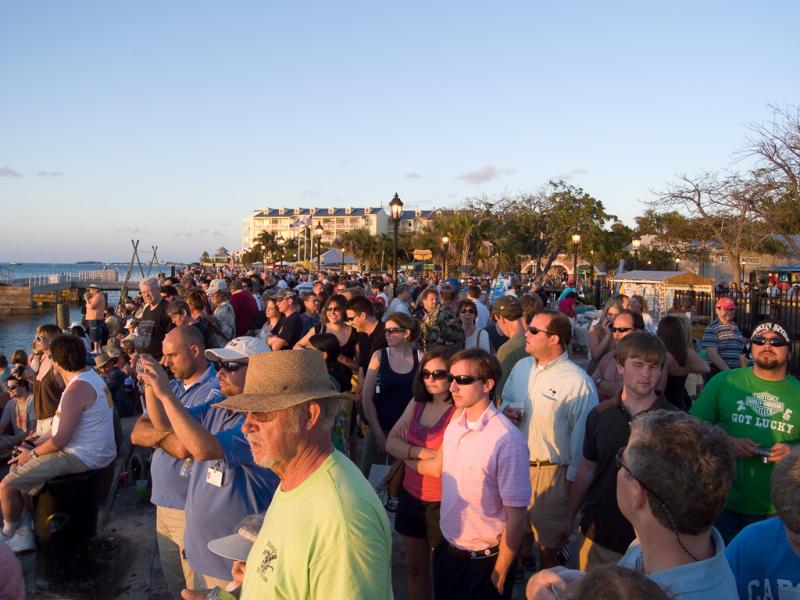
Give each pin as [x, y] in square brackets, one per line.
[214, 475]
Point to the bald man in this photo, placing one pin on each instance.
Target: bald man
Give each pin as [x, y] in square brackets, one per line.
[195, 380]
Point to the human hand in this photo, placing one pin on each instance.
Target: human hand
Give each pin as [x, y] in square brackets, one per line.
[380, 442]
[743, 447]
[565, 530]
[153, 375]
[514, 414]
[779, 452]
[545, 585]
[194, 594]
[426, 454]
[498, 580]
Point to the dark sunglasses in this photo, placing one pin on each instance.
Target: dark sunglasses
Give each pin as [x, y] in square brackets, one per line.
[621, 329]
[394, 330]
[778, 342]
[229, 366]
[463, 379]
[348, 319]
[333, 309]
[536, 330]
[436, 375]
[467, 311]
[11, 388]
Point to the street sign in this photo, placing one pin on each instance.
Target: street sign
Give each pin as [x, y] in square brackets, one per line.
[423, 255]
[751, 260]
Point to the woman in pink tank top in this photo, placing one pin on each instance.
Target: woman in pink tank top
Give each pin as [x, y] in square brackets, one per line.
[418, 434]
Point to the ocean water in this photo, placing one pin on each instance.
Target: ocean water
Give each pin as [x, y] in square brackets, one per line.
[17, 331]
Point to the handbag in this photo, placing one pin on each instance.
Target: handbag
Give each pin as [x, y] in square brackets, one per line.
[393, 481]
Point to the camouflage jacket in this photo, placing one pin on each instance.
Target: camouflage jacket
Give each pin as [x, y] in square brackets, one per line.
[441, 327]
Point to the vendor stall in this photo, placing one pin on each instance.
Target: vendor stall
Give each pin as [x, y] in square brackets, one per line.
[658, 287]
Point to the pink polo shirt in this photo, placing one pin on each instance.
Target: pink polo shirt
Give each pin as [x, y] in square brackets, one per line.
[483, 470]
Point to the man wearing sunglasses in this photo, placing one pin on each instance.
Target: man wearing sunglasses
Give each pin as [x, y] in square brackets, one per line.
[606, 376]
[671, 482]
[224, 483]
[551, 396]
[759, 408]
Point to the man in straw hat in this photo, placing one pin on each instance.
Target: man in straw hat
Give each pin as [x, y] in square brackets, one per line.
[325, 534]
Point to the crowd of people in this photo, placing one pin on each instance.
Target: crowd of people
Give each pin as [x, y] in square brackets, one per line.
[296, 418]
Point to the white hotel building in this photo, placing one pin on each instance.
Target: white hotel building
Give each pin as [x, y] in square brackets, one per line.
[289, 222]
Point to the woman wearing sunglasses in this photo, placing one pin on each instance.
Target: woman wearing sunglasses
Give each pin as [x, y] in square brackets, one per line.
[388, 385]
[332, 320]
[418, 434]
[474, 337]
[18, 413]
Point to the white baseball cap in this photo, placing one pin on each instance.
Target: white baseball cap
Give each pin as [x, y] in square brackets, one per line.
[237, 546]
[217, 285]
[238, 348]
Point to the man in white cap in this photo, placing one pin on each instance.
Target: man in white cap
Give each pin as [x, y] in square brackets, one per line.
[325, 534]
[95, 317]
[225, 484]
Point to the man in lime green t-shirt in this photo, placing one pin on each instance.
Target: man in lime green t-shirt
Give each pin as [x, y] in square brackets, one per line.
[325, 534]
[759, 409]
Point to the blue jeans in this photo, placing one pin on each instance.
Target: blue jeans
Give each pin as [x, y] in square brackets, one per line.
[730, 523]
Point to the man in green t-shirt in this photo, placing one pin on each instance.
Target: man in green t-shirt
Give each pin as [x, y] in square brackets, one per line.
[759, 408]
[325, 534]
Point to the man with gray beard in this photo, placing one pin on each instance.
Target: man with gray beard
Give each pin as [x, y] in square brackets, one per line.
[325, 534]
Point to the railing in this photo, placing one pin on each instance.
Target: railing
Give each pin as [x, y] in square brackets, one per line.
[757, 305]
[6, 276]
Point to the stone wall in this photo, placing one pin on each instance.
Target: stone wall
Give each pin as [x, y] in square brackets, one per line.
[15, 299]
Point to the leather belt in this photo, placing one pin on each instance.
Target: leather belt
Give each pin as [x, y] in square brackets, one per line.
[473, 554]
[543, 463]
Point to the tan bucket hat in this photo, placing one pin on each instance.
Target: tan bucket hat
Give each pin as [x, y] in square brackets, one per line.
[278, 380]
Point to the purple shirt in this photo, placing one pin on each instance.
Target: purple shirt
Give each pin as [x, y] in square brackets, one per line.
[485, 468]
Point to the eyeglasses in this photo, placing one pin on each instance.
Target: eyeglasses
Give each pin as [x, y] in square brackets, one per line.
[265, 417]
[777, 342]
[463, 379]
[394, 330]
[621, 464]
[436, 375]
[227, 365]
[536, 330]
[621, 329]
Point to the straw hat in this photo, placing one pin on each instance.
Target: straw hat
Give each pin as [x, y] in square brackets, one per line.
[278, 380]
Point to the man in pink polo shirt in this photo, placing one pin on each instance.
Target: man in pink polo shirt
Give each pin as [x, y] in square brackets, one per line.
[485, 487]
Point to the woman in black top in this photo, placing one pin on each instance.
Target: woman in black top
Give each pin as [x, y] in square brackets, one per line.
[388, 385]
[681, 360]
[332, 321]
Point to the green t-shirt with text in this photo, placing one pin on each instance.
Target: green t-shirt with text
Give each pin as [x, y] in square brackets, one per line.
[328, 538]
[767, 412]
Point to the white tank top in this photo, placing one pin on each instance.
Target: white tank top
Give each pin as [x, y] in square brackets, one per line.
[93, 438]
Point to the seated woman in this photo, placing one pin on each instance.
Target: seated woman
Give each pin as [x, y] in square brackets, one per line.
[81, 438]
[18, 413]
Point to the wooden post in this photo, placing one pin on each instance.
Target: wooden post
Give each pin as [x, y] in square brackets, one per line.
[62, 315]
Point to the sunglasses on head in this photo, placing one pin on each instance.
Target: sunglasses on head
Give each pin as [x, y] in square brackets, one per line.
[777, 342]
[228, 365]
[621, 329]
[463, 379]
[436, 375]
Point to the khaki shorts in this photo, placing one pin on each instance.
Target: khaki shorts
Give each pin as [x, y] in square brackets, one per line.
[592, 555]
[548, 507]
[31, 477]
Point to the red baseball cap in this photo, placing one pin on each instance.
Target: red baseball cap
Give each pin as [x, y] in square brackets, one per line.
[726, 303]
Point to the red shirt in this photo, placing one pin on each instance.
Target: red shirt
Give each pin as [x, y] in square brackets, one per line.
[425, 487]
[245, 308]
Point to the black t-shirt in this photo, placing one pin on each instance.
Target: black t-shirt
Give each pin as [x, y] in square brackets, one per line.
[368, 344]
[153, 326]
[289, 329]
[607, 430]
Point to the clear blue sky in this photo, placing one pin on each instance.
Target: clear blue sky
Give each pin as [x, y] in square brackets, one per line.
[170, 121]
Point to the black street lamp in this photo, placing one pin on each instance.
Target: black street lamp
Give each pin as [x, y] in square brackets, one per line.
[576, 239]
[319, 229]
[281, 242]
[396, 208]
[446, 246]
[636, 243]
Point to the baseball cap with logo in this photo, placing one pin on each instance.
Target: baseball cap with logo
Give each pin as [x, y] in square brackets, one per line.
[508, 307]
[217, 285]
[770, 326]
[238, 348]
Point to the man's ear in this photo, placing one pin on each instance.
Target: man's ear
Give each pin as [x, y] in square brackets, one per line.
[314, 411]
